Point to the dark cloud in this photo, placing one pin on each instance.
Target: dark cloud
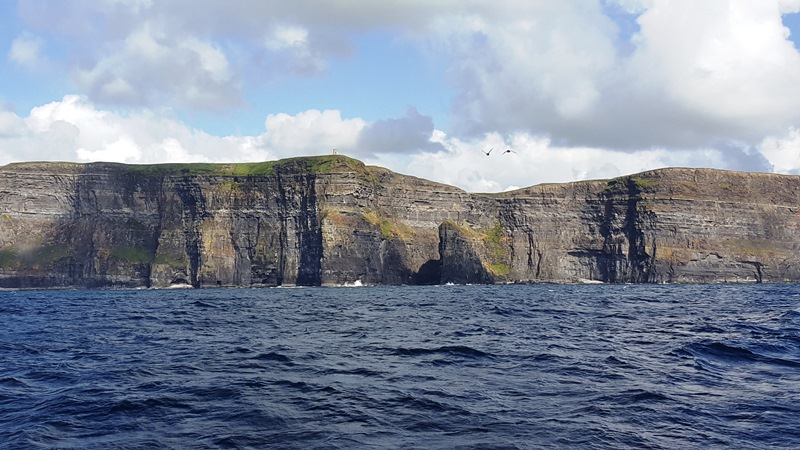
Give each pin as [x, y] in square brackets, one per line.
[743, 158]
[408, 134]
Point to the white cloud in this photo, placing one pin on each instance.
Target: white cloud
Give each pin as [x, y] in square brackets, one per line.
[291, 50]
[10, 125]
[311, 131]
[212, 59]
[525, 67]
[783, 153]
[729, 61]
[153, 67]
[75, 130]
[284, 37]
[26, 51]
[789, 6]
[123, 149]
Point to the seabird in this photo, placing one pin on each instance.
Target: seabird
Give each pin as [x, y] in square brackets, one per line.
[490, 151]
[508, 150]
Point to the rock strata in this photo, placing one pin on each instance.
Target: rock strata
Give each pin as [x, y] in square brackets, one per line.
[331, 220]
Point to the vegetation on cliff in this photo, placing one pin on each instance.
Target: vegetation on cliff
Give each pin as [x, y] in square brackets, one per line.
[390, 228]
[316, 165]
[331, 219]
[306, 165]
[40, 256]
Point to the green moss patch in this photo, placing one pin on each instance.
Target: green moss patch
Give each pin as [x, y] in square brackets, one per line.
[133, 255]
[45, 255]
[757, 248]
[629, 185]
[493, 238]
[389, 228]
[498, 269]
[644, 184]
[49, 254]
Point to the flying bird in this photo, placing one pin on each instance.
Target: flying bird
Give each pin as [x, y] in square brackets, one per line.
[490, 151]
[508, 150]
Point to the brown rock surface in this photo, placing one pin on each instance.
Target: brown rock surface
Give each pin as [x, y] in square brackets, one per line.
[332, 220]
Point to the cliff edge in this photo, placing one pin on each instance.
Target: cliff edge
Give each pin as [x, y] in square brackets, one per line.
[331, 220]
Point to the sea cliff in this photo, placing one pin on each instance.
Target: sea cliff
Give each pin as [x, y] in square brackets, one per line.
[331, 220]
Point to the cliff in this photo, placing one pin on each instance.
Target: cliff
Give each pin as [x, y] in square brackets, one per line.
[331, 220]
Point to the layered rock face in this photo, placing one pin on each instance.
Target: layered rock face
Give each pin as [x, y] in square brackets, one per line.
[331, 220]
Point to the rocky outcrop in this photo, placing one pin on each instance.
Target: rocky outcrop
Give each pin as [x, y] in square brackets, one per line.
[331, 220]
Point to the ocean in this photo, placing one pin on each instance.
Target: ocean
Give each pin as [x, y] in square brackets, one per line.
[483, 367]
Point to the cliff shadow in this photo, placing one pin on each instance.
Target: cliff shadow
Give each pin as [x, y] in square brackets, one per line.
[460, 261]
[430, 273]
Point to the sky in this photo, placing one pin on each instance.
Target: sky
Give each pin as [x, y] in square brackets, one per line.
[577, 89]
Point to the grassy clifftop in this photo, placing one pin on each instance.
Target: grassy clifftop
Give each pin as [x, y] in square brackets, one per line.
[307, 164]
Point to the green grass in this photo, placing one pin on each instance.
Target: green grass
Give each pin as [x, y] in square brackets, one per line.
[307, 164]
[498, 269]
[389, 228]
[41, 256]
[231, 186]
[494, 234]
[621, 185]
[494, 240]
[330, 163]
[644, 184]
[133, 255]
[49, 254]
[199, 169]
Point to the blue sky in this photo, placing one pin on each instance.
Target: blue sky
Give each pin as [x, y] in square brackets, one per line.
[577, 88]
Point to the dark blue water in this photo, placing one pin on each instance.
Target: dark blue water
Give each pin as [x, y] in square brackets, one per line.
[402, 367]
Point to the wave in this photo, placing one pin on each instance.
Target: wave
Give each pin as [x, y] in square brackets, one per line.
[633, 396]
[203, 304]
[734, 354]
[359, 372]
[147, 405]
[453, 350]
[12, 382]
[272, 356]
